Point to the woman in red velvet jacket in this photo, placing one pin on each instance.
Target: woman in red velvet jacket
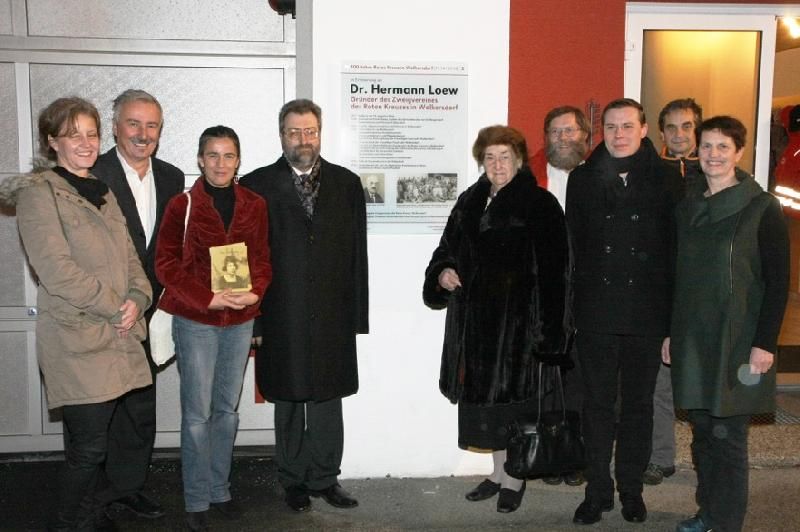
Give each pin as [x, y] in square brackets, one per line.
[212, 330]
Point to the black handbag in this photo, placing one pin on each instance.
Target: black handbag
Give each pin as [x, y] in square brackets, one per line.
[549, 444]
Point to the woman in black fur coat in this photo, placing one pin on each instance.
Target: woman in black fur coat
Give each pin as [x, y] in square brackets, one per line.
[502, 270]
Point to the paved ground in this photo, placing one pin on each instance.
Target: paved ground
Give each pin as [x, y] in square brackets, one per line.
[390, 504]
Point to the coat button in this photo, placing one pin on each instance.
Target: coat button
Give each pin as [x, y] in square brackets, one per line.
[609, 216]
[606, 281]
[608, 249]
[630, 282]
[634, 217]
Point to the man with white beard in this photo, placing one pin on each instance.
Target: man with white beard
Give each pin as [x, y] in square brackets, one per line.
[566, 143]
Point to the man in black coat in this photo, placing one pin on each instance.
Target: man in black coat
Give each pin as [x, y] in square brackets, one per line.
[619, 211]
[142, 185]
[316, 304]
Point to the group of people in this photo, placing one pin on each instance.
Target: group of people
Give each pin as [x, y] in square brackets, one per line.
[670, 271]
[111, 237]
[646, 260]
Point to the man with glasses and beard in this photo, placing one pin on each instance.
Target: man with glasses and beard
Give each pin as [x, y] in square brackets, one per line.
[566, 143]
[315, 306]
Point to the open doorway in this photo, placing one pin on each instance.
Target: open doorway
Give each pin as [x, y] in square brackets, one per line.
[727, 58]
[718, 69]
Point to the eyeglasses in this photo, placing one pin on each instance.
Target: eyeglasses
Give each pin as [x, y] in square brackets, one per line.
[556, 132]
[295, 133]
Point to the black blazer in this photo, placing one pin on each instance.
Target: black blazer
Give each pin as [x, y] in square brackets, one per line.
[170, 181]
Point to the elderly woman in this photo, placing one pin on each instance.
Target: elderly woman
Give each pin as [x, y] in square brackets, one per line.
[501, 269]
[212, 330]
[91, 297]
[731, 287]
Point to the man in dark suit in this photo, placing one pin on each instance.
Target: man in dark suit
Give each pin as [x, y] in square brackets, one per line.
[315, 306]
[620, 207]
[142, 185]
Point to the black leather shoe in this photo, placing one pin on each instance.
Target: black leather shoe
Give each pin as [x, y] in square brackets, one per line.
[197, 520]
[554, 480]
[574, 479]
[485, 490]
[140, 505]
[695, 524]
[297, 498]
[590, 511]
[633, 508]
[228, 509]
[509, 500]
[336, 496]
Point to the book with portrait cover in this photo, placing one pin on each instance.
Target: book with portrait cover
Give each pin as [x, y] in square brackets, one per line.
[229, 268]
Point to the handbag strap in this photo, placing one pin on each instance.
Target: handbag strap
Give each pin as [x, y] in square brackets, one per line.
[185, 225]
[558, 386]
[186, 217]
[540, 393]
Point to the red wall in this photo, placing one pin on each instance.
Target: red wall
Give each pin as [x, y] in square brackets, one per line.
[562, 52]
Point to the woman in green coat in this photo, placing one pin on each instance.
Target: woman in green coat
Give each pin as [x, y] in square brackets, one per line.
[731, 282]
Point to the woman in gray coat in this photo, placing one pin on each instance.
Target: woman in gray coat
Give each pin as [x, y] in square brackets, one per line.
[731, 282]
[91, 297]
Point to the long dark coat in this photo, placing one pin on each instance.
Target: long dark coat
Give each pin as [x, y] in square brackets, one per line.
[513, 308]
[318, 300]
[727, 299]
[623, 242]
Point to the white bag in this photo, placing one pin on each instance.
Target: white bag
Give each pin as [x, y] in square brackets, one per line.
[162, 347]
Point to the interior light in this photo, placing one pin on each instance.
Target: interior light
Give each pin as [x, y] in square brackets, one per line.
[793, 25]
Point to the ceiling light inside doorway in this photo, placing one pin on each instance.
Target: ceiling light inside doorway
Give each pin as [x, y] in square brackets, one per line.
[793, 26]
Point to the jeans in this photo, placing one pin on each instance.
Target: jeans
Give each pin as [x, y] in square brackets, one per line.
[211, 364]
[624, 366]
[719, 452]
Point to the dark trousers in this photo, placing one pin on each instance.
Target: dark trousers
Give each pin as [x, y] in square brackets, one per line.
[626, 367]
[85, 446]
[719, 452]
[130, 443]
[130, 440]
[309, 438]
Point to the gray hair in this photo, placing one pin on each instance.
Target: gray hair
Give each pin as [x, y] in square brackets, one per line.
[134, 95]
